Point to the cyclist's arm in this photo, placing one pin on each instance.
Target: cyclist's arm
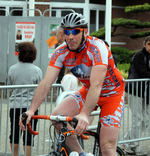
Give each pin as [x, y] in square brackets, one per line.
[96, 81]
[41, 92]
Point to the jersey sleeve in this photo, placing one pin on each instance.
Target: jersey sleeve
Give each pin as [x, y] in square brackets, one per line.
[58, 57]
[100, 53]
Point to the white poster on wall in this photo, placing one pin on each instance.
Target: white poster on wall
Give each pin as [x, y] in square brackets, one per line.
[25, 32]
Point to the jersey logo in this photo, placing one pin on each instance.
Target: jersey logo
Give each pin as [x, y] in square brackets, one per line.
[81, 71]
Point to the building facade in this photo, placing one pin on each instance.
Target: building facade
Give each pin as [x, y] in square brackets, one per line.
[93, 10]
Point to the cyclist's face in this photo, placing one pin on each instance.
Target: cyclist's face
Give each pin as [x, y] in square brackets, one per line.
[147, 46]
[73, 40]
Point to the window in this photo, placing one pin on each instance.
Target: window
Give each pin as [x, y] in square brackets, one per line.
[15, 11]
[101, 19]
[97, 20]
[65, 12]
[2, 11]
[92, 20]
[98, 2]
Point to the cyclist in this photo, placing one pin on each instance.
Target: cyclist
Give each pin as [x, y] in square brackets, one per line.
[91, 61]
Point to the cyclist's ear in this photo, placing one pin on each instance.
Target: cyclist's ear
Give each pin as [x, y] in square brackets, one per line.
[85, 31]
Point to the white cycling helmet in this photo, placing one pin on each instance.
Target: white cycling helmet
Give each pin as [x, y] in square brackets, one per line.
[74, 20]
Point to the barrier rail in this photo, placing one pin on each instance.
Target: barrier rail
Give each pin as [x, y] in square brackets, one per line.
[40, 146]
[133, 105]
[42, 143]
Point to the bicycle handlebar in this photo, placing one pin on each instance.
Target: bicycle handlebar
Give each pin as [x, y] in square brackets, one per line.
[52, 118]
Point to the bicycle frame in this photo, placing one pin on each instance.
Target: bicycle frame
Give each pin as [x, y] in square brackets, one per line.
[64, 132]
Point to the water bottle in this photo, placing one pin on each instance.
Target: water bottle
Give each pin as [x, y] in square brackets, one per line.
[74, 154]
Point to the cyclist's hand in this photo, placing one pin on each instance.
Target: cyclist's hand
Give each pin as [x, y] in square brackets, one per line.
[82, 125]
[29, 113]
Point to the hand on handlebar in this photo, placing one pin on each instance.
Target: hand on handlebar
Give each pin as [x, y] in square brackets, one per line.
[82, 125]
[52, 118]
[27, 116]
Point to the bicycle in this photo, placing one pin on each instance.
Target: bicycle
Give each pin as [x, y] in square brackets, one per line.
[62, 149]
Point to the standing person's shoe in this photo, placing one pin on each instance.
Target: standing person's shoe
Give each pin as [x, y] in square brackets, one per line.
[139, 151]
[126, 147]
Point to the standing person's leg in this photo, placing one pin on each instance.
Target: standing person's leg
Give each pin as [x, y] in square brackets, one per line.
[127, 146]
[135, 105]
[29, 140]
[14, 114]
[69, 107]
[28, 150]
[145, 112]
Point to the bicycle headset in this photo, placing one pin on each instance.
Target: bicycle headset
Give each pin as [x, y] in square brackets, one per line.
[75, 20]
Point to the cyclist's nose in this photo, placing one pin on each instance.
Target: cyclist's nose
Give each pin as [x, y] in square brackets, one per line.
[71, 35]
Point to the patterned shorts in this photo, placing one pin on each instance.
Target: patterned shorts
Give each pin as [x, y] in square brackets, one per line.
[111, 107]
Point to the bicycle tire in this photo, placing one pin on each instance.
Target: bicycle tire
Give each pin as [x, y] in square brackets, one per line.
[120, 152]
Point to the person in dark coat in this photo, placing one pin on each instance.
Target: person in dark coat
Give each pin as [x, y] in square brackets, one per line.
[139, 69]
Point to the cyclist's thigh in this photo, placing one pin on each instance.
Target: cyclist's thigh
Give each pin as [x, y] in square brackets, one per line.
[67, 107]
[112, 111]
[72, 104]
[111, 114]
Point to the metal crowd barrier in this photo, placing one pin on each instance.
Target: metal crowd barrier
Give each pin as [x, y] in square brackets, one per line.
[142, 120]
[42, 142]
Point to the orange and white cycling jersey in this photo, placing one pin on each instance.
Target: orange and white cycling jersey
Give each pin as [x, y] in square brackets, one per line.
[95, 52]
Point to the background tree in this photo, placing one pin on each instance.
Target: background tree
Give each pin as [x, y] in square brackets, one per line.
[124, 55]
[128, 23]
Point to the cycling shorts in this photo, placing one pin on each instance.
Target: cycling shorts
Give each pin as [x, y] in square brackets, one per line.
[111, 107]
[14, 132]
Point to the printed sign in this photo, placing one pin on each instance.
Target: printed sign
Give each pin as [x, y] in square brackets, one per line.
[25, 31]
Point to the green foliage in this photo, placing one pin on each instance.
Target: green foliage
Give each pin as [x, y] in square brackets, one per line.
[143, 25]
[116, 22]
[123, 55]
[99, 34]
[140, 34]
[125, 21]
[138, 8]
[124, 67]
